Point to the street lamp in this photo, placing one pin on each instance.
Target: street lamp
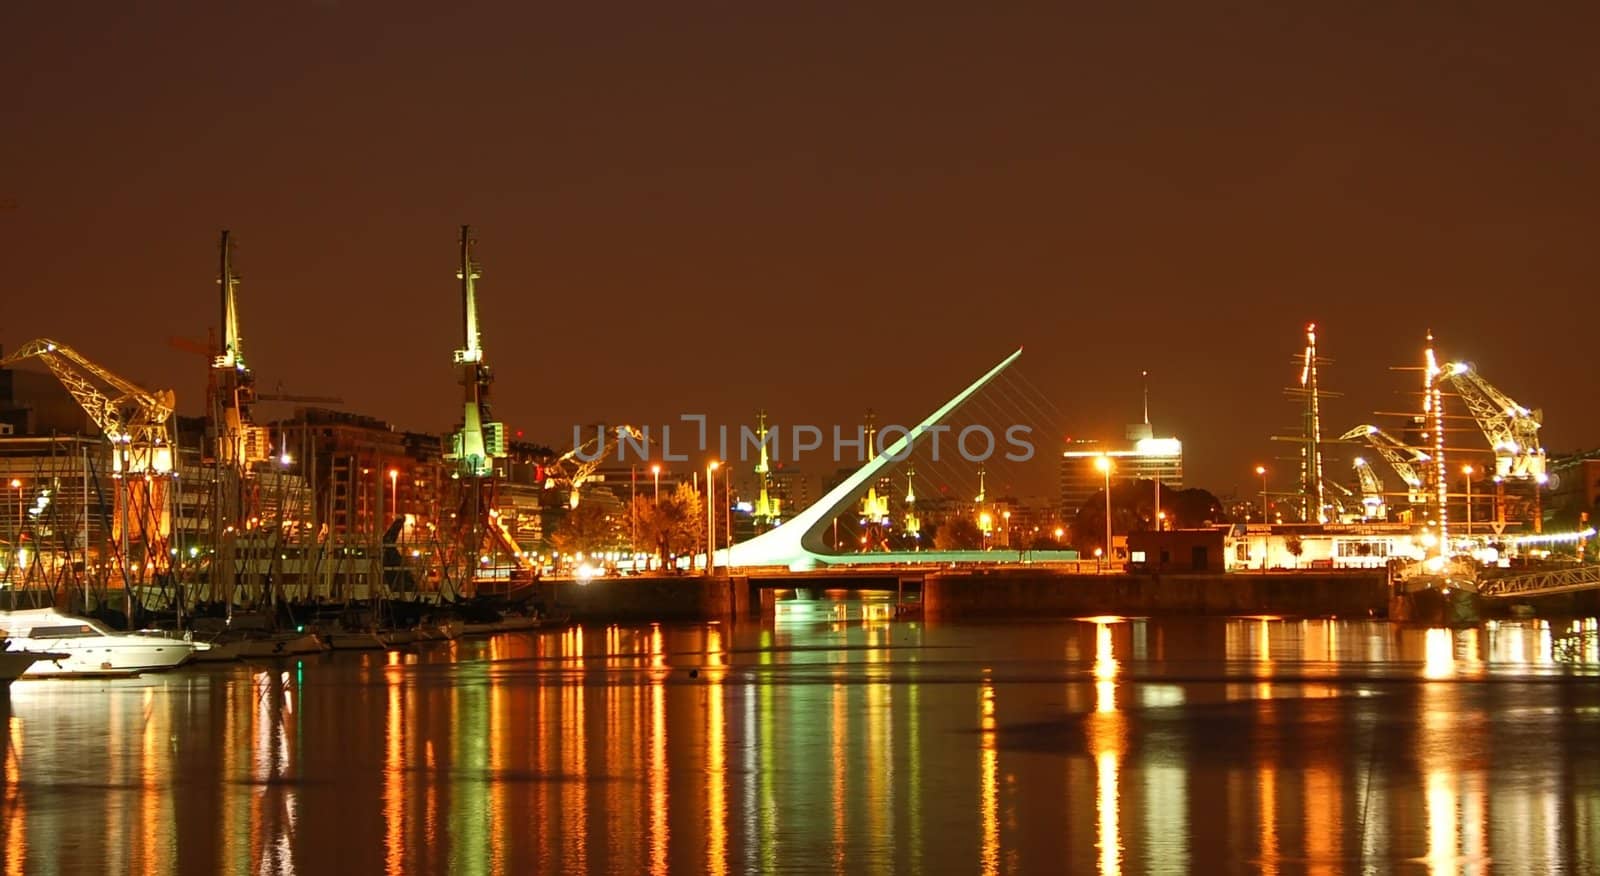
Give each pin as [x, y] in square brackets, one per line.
[394, 491]
[1103, 463]
[1262, 470]
[711, 517]
[16, 540]
[1006, 516]
[1467, 470]
[655, 472]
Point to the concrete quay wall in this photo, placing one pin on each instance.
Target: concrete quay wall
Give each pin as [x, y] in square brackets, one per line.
[1042, 594]
[646, 598]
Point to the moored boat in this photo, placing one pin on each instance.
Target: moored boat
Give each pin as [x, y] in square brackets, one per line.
[70, 646]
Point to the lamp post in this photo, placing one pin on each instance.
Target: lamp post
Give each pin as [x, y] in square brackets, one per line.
[655, 472]
[1467, 470]
[711, 517]
[1265, 516]
[394, 491]
[16, 539]
[1103, 463]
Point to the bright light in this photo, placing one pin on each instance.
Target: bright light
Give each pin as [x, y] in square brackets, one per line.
[1102, 463]
[1060, 532]
[1097, 553]
[714, 465]
[1466, 469]
[655, 468]
[1158, 447]
[16, 484]
[1261, 469]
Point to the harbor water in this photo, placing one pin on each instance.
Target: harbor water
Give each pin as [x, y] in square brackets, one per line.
[833, 739]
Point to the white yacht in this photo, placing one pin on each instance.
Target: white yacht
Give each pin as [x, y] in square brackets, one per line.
[69, 645]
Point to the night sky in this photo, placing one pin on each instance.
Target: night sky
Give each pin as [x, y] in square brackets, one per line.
[816, 208]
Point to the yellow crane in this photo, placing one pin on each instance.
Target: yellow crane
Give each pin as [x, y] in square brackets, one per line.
[135, 421]
[130, 416]
[577, 465]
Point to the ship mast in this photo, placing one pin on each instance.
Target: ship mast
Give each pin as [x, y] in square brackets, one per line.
[1433, 423]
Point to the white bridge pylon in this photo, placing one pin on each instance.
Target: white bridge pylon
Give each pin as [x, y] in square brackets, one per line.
[797, 543]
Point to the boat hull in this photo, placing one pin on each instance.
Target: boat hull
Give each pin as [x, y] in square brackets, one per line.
[279, 645]
[14, 663]
[72, 657]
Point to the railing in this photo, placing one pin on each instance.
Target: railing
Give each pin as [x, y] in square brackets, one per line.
[1537, 583]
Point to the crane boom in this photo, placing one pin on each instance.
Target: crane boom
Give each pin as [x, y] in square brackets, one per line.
[134, 420]
[1511, 429]
[1402, 458]
[124, 411]
[577, 465]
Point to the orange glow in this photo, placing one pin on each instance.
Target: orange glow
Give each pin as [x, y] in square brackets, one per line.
[574, 795]
[716, 779]
[658, 769]
[393, 774]
[1267, 789]
[989, 780]
[1323, 821]
[16, 837]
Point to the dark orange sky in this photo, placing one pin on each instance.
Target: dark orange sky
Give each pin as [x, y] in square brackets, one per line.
[816, 208]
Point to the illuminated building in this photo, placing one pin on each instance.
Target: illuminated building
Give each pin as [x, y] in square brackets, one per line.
[1147, 459]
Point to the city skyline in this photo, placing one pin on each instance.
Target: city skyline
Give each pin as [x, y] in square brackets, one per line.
[695, 244]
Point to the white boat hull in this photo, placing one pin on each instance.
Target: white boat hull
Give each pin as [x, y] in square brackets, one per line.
[71, 645]
[68, 657]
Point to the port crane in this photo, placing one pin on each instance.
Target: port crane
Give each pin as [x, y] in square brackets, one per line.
[135, 421]
[1511, 429]
[575, 467]
[478, 441]
[1373, 504]
[1401, 457]
[130, 416]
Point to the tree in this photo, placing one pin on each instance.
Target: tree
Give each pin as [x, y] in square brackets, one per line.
[587, 529]
[674, 526]
[958, 534]
[1133, 509]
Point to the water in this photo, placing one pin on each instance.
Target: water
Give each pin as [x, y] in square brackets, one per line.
[821, 744]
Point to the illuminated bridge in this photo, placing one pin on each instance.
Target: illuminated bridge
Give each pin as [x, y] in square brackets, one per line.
[798, 544]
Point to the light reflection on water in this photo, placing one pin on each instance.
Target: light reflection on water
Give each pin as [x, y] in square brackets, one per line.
[848, 744]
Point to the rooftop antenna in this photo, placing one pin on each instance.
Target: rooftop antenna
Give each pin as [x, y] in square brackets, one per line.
[1144, 381]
